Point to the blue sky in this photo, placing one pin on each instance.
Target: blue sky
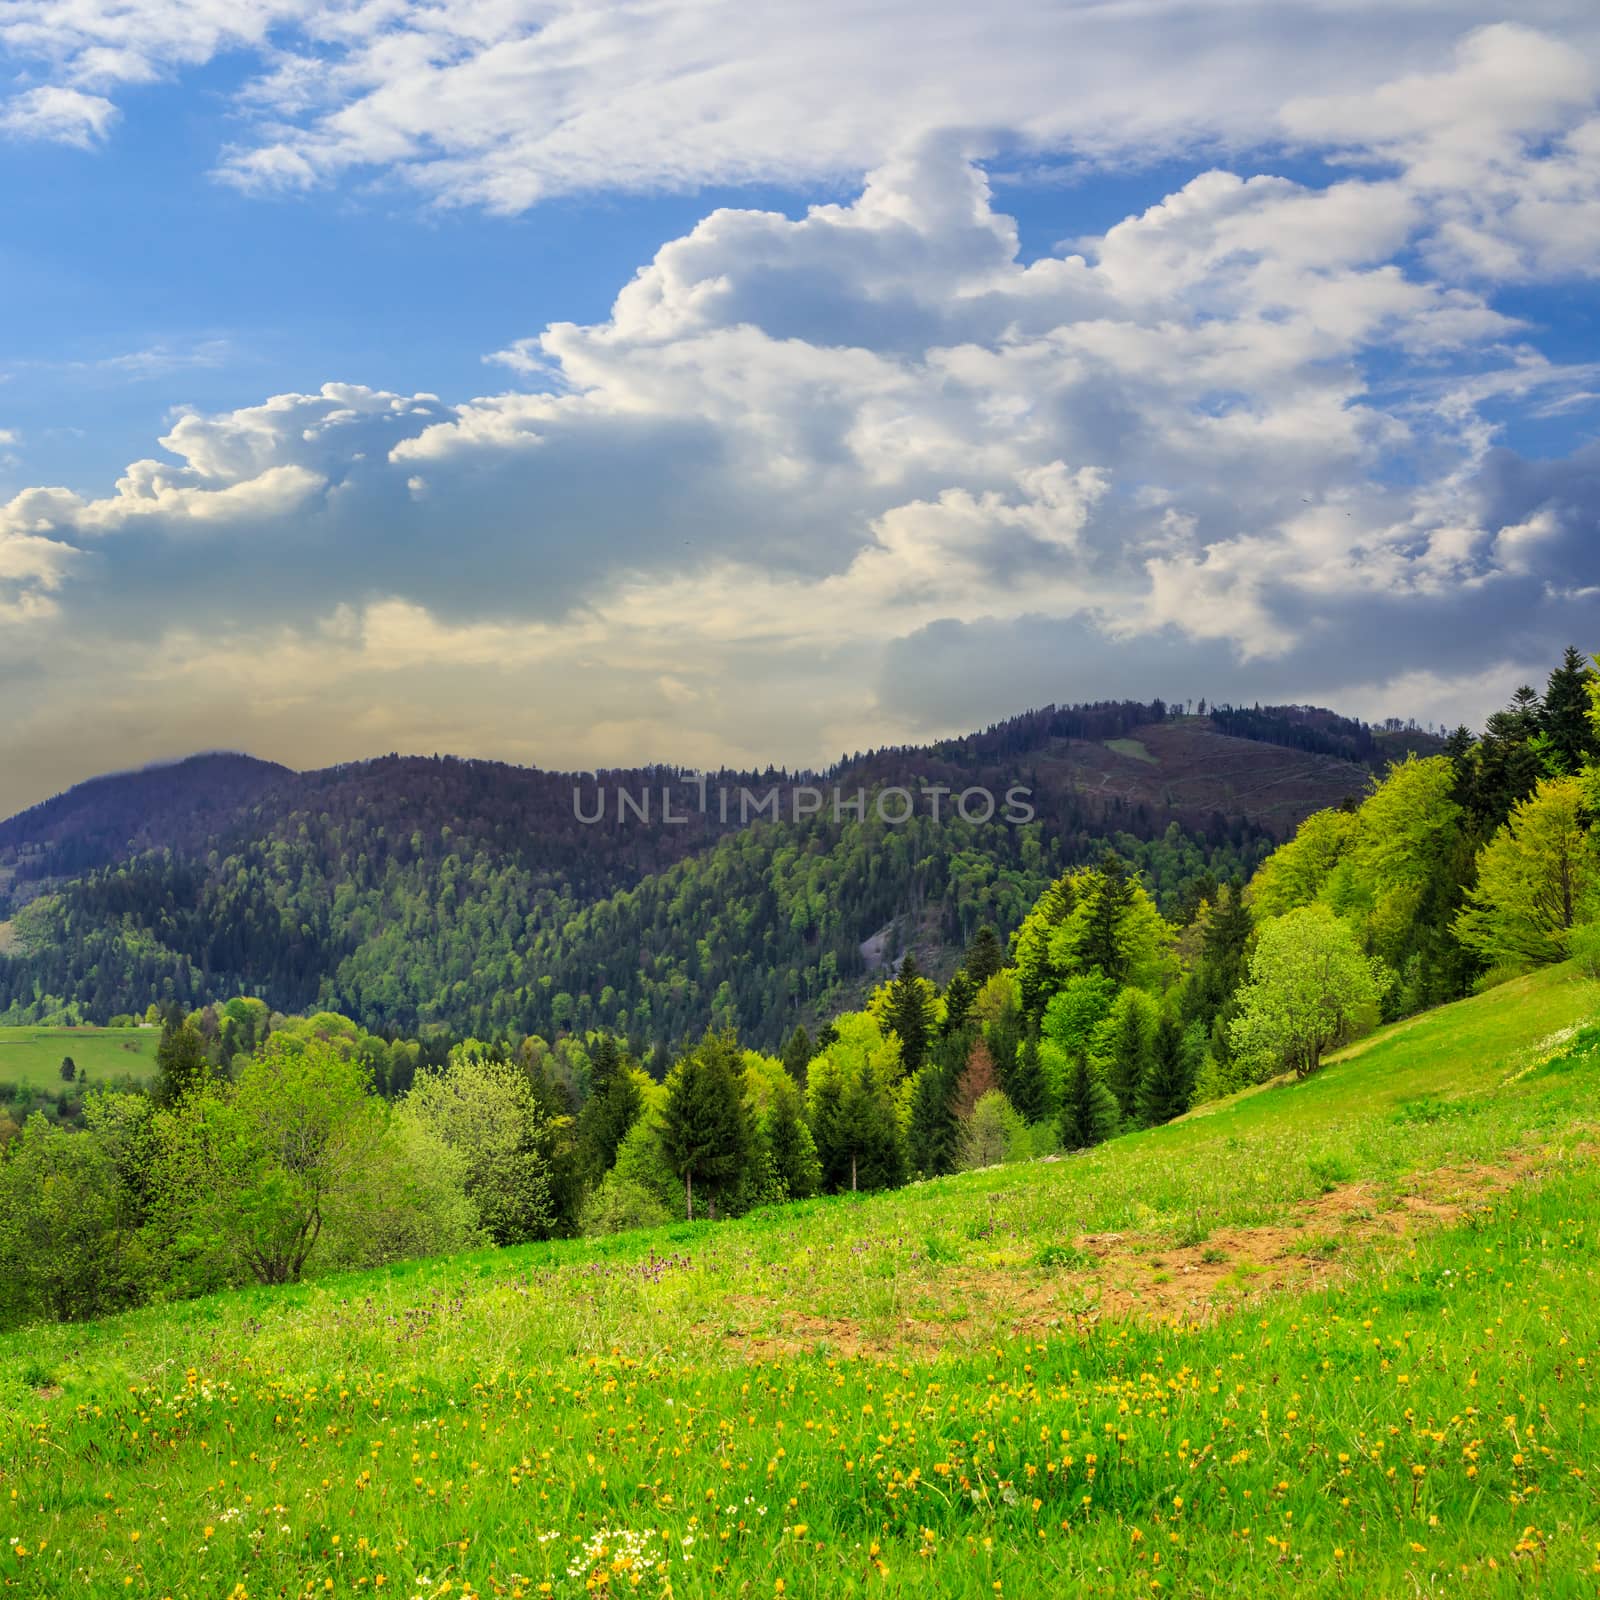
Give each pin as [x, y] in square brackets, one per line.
[710, 383]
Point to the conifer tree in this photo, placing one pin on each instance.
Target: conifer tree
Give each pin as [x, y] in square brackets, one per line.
[181, 1064]
[1024, 1085]
[1088, 1108]
[705, 1129]
[985, 956]
[906, 1015]
[1168, 1084]
[1124, 1044]
[1004, 1035]
[792, 1150]
[1565, 718]
[1109, 899]
[959, 994]
[868, 1136]
[977, 1075]
[797, 1055]
[606, 1117]
[933, 1134]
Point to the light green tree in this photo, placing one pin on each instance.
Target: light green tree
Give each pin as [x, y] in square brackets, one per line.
[1293, 875]
[1536, 879]
[992, 1134]
[286, 1154]
[1310, 988]
[486, 1112]
[66, 1222]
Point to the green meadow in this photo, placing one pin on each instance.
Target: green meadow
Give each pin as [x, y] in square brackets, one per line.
[32, 1057]
[1334, 1337]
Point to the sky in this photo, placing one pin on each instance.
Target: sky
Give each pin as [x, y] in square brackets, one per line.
[583, 383]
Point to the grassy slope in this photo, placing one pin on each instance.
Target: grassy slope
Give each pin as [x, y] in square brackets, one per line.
[1398, 1424]
[32, 1056]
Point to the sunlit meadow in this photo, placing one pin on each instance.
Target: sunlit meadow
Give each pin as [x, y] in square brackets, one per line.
[1338, 1337]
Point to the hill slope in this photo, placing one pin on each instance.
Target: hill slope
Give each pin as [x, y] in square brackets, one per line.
[998, 1378]
[471, 895]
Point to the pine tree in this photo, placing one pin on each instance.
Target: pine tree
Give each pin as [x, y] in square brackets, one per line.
[986, 956]
[797, 1055]
[959, 994]
[1168, 1084]
[1565, 716]
[906, 1015]
[705, 1129]
[1024, 1085]
[1088, 1108]
[181, 1064]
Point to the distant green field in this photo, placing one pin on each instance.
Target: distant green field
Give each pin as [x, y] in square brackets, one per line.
[1134, 748]
[32, 1056]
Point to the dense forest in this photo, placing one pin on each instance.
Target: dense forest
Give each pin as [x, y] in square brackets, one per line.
[410, 892]
[1136, 984]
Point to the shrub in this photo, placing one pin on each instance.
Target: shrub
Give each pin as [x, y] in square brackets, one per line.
[1583, 944]
[619, 1204]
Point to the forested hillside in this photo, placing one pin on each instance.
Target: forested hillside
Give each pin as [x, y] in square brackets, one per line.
[470, 895]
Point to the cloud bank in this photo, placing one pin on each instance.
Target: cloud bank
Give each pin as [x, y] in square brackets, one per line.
[866, 472]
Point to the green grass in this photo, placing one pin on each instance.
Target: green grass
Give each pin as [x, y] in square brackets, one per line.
[846, 1395]
[31, 1057]
[1134, 748]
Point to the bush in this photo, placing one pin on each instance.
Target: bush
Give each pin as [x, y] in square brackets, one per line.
[1583, 944]
[619, 1204]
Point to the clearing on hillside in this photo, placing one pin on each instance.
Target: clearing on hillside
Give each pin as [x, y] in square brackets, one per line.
[31, 1057]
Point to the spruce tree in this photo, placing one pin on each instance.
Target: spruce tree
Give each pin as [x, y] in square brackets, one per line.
[1024, 1085]
[869, 1135]
[705, 1129]
[1509, 764]
[181, 1064]
[1109, 899]
[605, 1120]
[1124, 1043]
[1168, 1084]
[1088, 1108]
[797, 1055]
[1004, 1035]
[605, 1061]
[977, 1075]
[959, 994]
[906, 1015]
[1564, 719]
[986, 956]
[934, 1132]
[792, 1149]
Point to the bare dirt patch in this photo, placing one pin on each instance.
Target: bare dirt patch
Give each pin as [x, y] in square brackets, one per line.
[1133, 1275]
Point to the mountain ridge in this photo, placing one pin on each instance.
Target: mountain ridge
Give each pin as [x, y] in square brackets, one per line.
[478, 896]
